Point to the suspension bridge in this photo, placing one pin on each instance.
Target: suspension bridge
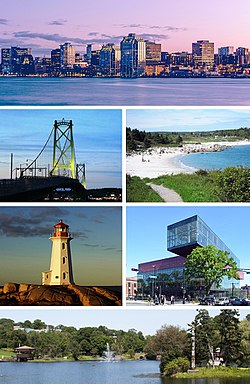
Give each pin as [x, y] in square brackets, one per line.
[52, 174]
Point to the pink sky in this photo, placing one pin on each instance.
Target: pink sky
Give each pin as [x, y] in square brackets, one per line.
[47, 24]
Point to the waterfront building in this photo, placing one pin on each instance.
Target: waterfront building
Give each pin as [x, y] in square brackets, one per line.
[184, 59]
[88, 53]
[242, 56]
[16, 54]
[226, 51]
[67, 53]
[5, 60]
[55, 57]
[183, 237]
[42, 65]
[203, 53]
[61, 272]
[153, 53]
[133, 56]
[110, 58]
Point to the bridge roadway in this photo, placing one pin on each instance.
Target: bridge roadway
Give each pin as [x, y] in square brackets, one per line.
[38, 188]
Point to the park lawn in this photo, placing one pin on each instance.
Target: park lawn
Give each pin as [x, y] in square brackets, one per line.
[217, 372]
[6, 353]
[138, 191]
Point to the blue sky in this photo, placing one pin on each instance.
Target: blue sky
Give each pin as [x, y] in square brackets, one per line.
[147, 321]
[97, 138]
[26, 248]
[181, 120]
[146, 231]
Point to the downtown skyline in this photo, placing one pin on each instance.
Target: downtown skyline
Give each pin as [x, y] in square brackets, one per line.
[172, 25]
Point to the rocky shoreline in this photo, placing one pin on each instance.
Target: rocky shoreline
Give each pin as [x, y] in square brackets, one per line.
[62, 295]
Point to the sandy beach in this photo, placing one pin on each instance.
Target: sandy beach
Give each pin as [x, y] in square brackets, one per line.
[160, 161]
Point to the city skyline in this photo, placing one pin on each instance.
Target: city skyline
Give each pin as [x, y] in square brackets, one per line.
[26, 248]
[184, 24]
[230, 223]
[97, 138]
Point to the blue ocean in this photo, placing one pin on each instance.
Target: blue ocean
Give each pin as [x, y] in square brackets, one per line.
[234, 156]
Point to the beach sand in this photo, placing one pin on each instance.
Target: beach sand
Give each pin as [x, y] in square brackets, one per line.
[167, 161]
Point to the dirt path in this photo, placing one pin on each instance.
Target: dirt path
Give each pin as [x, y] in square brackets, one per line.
[168, 195]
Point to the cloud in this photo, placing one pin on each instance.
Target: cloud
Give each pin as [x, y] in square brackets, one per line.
[154, 36]
[58, 22]
[93, 34]
[91, 245]
[3, 21]
[169, 28]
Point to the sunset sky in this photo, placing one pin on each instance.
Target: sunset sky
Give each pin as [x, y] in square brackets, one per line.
[47, 24]
[26, 248]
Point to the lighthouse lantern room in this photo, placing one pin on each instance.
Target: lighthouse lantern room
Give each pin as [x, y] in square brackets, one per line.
[60, 272]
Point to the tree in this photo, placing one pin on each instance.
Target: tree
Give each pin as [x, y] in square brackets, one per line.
[170, 342]
[245, 341]
[230, 335]
[206, 337]
[211, 265]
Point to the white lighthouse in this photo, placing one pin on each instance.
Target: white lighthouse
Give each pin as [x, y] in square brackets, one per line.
[60, 272]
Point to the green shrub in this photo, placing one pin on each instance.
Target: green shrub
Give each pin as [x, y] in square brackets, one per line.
[181, 364]
[201, 172]
[233, 184]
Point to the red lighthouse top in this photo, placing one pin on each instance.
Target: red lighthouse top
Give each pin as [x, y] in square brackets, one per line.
[61, 230]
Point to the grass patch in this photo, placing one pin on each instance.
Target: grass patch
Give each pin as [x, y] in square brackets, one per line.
[6, 353]
[218, 372]
[192, 188]
[138, 191]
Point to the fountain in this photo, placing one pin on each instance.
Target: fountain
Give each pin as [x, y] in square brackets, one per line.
[108, 354]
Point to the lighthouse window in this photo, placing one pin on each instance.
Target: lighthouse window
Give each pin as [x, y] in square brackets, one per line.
[63, 245]
[57, 277]
[64, 275]
[63, 260]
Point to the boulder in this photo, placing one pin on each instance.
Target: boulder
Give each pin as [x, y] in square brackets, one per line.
[23, 287]
[9, 288]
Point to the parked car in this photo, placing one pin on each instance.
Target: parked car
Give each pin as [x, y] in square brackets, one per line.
[221, 301]
[240, 302]
[207, 300]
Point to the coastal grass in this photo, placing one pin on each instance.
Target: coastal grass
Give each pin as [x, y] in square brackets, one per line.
[217, 372]
[194, 187]
[138, 191]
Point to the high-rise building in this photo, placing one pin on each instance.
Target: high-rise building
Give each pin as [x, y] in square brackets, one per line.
[203, 53]
[110, 58]
[55, 60]
[133, 56]
[88, 53]
[5, 60]
[226, 51]
[67, 52]
[16, 54]
[242, 56]
[153, 52]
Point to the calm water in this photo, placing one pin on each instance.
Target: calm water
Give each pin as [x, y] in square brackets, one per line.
[115, 92]
[239, 155]
[133, 372]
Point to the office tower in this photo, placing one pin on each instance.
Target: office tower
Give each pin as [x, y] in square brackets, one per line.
[226, 51]
[133, 56]
[16, 54]
[67, 55]
[153, 52]
[55, 60]
[5, 60]
[203, 53]
[88, 53]
[110, 58]
[242, 56]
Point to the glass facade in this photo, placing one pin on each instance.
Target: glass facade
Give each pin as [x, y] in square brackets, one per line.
[184, 236]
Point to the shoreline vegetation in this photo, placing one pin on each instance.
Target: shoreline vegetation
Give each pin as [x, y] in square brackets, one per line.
[162, 165]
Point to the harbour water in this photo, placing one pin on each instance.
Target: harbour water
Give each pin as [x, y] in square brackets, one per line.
[234, 156]
[130, 372]
[124, 92]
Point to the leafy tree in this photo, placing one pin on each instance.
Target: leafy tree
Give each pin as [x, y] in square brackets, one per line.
[181, 364]
[170, 342]
[233, 184]
[230, 335]
[38, 324]
[206, 337]
[244, 327]
[211, 265]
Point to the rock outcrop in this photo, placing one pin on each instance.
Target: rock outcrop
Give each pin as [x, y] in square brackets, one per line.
[30, 294]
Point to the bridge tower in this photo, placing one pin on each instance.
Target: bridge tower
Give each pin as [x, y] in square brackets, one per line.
[60, 272]
[64, 160]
